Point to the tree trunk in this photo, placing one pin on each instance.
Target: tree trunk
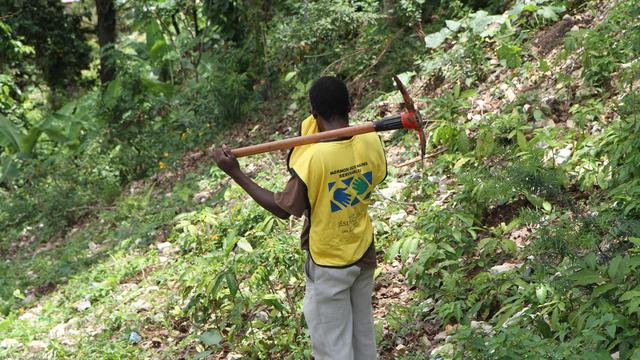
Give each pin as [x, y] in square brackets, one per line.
[106, 30]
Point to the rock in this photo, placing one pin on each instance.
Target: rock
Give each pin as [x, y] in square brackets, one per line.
[58, 331]
[83, 305]
[440, 336]
[425, 342]
[392, 189]
[262, 316]
[29, 299]
[511, 96]
[202, 196]
[399, 217]
[166, 248]
[140, 305]
[445, 350]
[506, 267]
[93, 247]
[10, 343]
[563, 155]
[37, 346]
[28, 316]
[233, 356]
[615, 355]
[134, 337]
[483, 326]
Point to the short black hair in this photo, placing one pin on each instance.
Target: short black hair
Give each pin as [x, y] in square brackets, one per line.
[329, 97]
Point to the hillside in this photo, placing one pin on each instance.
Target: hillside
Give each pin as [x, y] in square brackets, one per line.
[517, 238]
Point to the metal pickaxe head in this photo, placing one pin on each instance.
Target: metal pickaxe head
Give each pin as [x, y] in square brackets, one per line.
[411, 119]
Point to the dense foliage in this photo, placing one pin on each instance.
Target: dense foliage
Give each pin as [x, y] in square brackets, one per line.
[519, 238]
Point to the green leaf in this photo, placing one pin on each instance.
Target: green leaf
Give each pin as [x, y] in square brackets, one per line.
[274, 300]
[245, 245]
[393, 250]
[538, 115]
[18, 294]
[541, 294]
[213, 290]
[586, 277]
[8, 170]
[522, 141]
[547, 206]
[158, 49]
[447, 247]
[203, 355]
[434, 40]
[544, 66]
[405, 77]
[231, 282]
[534, 199]
[11, 133]
[603, 289]
[211, 337]
[614, 268]
[453, 25]
[629, 295]
[112, 93]
[509, 55]
[290, 76]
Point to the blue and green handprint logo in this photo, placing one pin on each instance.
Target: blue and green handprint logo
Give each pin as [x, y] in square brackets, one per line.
[350, 191]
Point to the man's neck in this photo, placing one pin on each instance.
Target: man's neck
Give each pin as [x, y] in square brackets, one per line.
[333, 124]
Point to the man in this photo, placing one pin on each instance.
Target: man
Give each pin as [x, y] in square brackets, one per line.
[331, 184]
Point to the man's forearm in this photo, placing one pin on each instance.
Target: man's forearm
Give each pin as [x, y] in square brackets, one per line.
[261, 195]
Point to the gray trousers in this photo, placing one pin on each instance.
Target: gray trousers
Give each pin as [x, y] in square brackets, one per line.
[338, 311]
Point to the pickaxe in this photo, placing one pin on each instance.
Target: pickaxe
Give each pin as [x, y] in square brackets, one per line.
[410, 119]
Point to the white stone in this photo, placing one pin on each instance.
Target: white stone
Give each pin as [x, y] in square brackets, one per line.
[440, 336]
[163, 245]
[166, 248]
[83, 305]
[393, 188]
[93, 247]
[399, 217]
[37, 346]
[262, 316]
[28, 317]
[425, 342]
[563, 155]
[482, 326]
[445, 349]
[141, 304]
[58, 331]
[499, 269]
[9, 343]
[29, 299]
[615, 355]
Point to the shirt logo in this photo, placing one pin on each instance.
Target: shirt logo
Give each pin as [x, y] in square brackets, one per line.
[350, 191]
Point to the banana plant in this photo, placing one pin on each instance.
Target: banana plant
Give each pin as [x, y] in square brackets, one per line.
[62, 127]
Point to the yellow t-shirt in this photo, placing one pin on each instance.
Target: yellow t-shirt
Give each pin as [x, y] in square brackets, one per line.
[340, 177]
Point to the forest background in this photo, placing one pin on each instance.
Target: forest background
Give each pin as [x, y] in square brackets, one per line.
[518, 238]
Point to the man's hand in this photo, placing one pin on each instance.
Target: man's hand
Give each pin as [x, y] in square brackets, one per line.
[226, 161]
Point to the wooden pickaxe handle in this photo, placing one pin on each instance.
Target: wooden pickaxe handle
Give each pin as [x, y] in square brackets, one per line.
[408, 120]
[394, 122]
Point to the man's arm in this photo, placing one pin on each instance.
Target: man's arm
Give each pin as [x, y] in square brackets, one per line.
[228, 163]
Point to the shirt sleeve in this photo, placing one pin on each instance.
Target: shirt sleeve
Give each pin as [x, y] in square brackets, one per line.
[293, 199]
